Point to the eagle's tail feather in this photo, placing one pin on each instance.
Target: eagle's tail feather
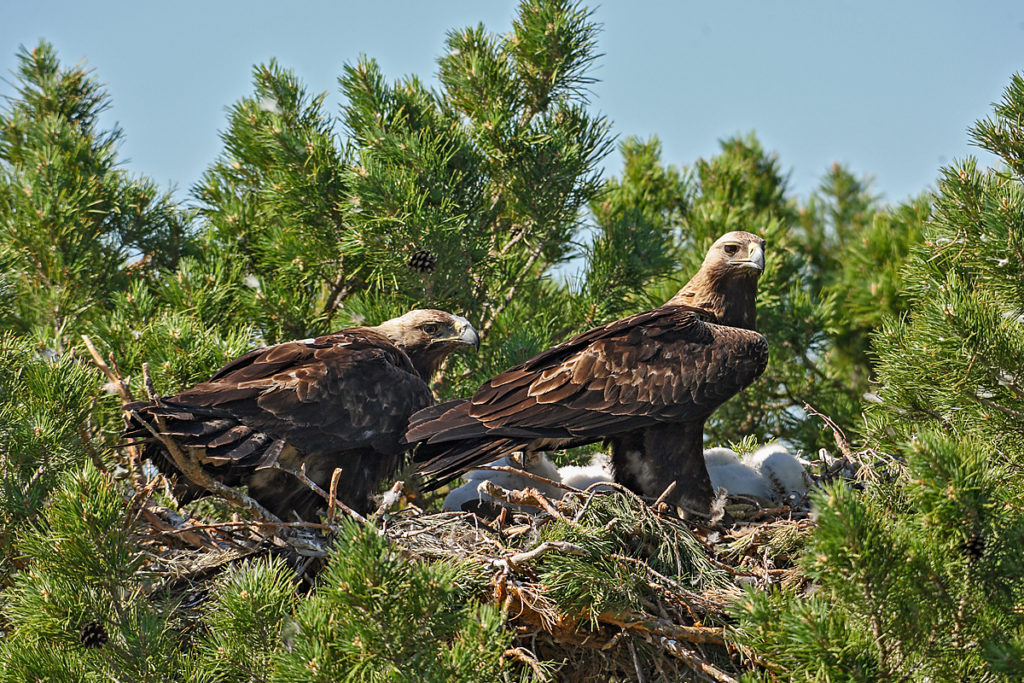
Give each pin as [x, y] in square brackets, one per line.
[451, 460]
[439, 419]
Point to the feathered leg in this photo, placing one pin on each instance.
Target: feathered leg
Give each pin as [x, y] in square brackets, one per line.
[648, 460]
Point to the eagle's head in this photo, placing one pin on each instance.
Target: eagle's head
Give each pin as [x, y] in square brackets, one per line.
[736, 254]
[726, 284]
[427, 336]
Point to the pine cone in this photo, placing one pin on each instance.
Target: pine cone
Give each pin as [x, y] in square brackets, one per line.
[974, 547]
[423, 261]
[94, 635]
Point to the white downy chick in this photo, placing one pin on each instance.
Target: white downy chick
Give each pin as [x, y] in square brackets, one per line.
[582, 476]
[535, 463]
[780, 469]
[735, 477]
[717, 457]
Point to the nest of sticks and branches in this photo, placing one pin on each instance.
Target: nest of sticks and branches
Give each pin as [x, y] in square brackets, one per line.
[596, 585]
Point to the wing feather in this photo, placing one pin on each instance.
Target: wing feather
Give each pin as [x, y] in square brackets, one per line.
[352, 389]
[661, 366]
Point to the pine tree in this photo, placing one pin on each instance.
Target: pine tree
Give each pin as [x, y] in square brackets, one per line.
[82, 606]
[638, 218]
[918, 578]
[460, 198]
[74, 228]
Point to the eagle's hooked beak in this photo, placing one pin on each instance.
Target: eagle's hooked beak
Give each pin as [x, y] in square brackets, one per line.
[466, 333]
[755, 258]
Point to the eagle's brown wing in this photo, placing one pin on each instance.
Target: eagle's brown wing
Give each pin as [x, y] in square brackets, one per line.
[660, 367]
[340, 392]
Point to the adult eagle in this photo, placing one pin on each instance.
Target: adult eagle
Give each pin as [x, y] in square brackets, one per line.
[644, 384]
[339, 400]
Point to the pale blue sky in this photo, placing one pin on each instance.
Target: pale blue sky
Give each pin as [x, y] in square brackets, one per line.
[888, 88]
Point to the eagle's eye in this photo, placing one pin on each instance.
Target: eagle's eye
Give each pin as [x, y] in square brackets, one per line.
[430, 328]
[731, 249]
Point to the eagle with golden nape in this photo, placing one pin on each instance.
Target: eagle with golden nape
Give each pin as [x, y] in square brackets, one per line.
[341, 400]
[645, 385]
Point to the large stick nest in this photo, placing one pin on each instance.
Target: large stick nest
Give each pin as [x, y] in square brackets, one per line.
[596, 586]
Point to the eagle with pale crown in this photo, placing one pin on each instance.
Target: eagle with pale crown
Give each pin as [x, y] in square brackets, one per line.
[339, 400]
[645, 385]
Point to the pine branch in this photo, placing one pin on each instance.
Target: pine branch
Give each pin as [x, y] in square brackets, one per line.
[494, 312]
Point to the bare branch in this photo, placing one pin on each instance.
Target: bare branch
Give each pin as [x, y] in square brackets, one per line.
[525, 475]
[115, 378]
[527, 497]
[315, 488]
[389, 500]
[663, 627]
[837, 433]
[528, 658]
[542, 549]
[333, 498]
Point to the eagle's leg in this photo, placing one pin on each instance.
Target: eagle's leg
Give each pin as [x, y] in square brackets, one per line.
[648, 460]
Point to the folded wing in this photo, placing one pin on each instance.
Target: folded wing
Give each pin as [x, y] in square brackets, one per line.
[667, 365]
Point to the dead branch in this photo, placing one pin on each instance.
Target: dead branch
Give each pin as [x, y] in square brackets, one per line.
[646, 623]
[86, 439]
[315, 488]
[636, 663]
[527, 497]
[525, 475]
[251, 523]
[196, 539]
[389, 500]
[664, 494]
[526, 657]
[147, 381]
[693, 661]
[114, 378]
[125, 392]
[837, 433]
[542, 549]
[333, 498]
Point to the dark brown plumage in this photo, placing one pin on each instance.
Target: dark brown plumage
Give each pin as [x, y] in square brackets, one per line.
[644, 384]
[339, 400]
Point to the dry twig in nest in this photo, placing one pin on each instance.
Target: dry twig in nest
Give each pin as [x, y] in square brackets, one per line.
[527, 497]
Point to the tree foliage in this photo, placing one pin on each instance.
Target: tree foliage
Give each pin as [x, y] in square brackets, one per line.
[74, 228]
[483, 195]
[922, 569]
